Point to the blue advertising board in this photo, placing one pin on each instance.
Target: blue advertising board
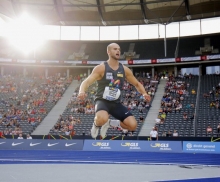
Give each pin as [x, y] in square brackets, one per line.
[114, 145]
[24, 144]
[201, 147]
[164, 146]
[132, 145]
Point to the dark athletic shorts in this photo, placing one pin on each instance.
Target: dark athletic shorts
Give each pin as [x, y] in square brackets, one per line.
[117, 110]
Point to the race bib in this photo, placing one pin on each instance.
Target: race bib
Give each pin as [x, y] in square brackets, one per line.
[111, 93]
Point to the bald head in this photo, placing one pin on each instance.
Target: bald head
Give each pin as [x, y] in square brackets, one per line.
[113, 51]
[111, 46]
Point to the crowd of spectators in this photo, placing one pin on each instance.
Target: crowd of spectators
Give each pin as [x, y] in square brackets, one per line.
[66, 125]
[26, 100]
[176, 91]
[131, 99]
[213, 95]
[134, 101]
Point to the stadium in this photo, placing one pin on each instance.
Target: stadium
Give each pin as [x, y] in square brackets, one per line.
[48, 48]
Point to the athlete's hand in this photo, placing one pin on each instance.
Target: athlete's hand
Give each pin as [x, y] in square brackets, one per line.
[82, 95]
[147, 97]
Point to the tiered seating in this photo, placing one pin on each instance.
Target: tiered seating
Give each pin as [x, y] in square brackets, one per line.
[64, 49]
[175, 121]
[208, 115]
[26, 101]
[87, 120]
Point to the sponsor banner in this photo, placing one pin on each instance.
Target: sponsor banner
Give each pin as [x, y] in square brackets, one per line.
[142, 61]
[24, 144]
[73, 62]
[164, 146]
[130, 61]
[116, 145]
[124, 62]
[203, 58]
[153, 61]
[50, 61]
[196, 58]
[94, 62]
[26, 61]
[203, 147]
[69, 62]
[216, 56]
[167, 60]
[5, 60]
[178, 60]
[132, 145]
[146, 61]
[84, 62]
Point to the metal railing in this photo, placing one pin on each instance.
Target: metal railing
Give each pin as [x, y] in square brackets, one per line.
[197, 106]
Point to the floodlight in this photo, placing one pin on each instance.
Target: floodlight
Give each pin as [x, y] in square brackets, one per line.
[104, 23]
[146, 21]
[25, 33]
[188, 17]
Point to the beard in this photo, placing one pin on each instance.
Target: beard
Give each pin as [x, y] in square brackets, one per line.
[114, 57]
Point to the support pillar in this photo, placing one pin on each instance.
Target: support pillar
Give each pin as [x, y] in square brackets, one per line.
[68, 73]
[24, 71]
[89, 71]
[46, 72]
[175, 71]
[2, 70]
[200, 70]
[153, 72]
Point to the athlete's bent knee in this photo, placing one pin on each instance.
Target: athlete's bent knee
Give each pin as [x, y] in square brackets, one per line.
[132, 126]
[131, 123]
[101, 119]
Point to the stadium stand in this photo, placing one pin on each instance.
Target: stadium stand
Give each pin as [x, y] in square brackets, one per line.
[147, 49]
[79, 116]
[178, 107]
[208, 106]
[25, 101]
[16, 111]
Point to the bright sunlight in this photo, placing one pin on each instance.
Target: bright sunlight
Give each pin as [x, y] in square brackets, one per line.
[25, 33]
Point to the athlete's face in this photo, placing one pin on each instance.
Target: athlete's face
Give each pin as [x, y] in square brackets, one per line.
[114, 51]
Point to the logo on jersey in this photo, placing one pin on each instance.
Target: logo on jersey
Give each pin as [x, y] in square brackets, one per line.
[120, 75]
[109, 76]
[114, 83]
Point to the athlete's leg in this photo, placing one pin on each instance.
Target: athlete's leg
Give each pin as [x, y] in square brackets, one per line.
[101, 117]
[125, 116]
[129, 123]
[121, 113]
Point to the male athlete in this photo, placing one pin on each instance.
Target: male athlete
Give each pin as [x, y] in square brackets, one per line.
[110, 77]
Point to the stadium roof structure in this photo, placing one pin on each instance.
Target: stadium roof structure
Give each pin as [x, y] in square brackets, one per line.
[110, 12]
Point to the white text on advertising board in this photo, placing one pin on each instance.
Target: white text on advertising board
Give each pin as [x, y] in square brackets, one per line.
[161, 146]
[200, 147]
[131, 145]
[102, 145]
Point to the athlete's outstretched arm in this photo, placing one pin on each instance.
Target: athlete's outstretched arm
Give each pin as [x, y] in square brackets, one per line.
[96, 74]
[131, 79]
